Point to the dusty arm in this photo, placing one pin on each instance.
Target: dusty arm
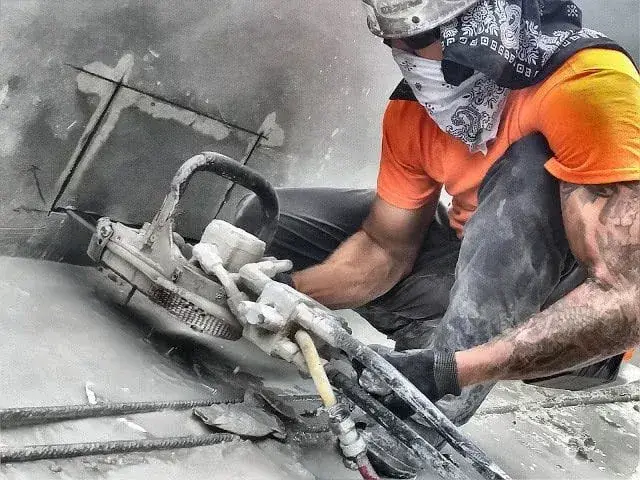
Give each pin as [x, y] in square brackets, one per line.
[371, 261]
[598, 319]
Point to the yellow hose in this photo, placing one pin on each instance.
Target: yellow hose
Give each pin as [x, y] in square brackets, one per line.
[316, 370]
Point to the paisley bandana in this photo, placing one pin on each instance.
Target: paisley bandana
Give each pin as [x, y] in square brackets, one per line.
[494, 47]
[511, 41]
[470, 111]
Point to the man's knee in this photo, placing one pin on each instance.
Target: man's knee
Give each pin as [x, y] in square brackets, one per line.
[514, 250]
[519, 209]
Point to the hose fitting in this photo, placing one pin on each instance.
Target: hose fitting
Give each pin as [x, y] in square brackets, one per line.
[351, 442]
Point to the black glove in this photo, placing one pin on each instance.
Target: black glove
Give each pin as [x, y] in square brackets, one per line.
[433, 373]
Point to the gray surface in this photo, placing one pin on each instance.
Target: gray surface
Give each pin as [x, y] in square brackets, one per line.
[591, 442]
[141, 145]
[307, 75]
[63, 327]
[306, 69]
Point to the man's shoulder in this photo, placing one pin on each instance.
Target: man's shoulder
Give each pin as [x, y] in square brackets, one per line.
[588, 63]
[607, 59]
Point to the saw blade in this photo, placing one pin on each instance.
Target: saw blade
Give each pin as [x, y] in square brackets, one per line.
[192, 315]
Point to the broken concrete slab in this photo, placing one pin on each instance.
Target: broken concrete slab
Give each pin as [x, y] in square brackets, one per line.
[66, 325]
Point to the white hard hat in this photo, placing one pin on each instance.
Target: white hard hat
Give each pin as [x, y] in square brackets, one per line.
[404, 18]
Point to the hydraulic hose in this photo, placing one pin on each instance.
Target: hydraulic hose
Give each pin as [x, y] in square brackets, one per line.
[337, 414]
[396, 427]
[316, 370]
[365, 468]
[330, 330]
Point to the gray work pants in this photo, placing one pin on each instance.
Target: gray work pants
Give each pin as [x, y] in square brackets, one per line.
[513, 260]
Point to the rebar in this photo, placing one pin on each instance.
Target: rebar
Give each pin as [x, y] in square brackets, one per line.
[603, 397]
[32, 453]
[12, 417]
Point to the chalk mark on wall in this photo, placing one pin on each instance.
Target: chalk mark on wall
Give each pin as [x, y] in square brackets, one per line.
[113, 89]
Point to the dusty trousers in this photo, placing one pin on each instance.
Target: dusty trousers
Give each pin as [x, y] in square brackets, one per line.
[513, 260]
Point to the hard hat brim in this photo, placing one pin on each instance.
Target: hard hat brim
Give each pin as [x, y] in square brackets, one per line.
[405, 18]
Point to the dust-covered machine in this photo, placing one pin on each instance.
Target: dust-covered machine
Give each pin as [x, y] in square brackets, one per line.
[223, 286]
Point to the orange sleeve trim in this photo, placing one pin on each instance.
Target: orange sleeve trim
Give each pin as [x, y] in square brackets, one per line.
[597, 177]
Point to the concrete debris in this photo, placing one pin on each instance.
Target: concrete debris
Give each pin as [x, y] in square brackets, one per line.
[132, 425]
[91, 396]
[242, 419]
[3, 93]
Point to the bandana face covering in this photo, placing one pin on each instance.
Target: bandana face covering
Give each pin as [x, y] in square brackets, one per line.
[511, 41]
[470, 111]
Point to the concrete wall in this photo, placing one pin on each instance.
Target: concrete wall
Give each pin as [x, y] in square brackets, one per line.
[294, 89]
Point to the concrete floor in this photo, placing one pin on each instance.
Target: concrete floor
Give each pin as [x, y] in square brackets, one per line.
[64, 326]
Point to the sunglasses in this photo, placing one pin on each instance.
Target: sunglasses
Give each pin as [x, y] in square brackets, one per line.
[422, 40]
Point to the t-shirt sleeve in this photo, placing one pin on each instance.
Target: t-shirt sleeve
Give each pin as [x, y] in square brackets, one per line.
[591, 120]
[402, 179]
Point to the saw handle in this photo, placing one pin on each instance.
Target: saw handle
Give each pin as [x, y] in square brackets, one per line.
[230, 169]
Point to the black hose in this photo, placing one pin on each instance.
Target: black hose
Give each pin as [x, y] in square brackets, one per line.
[396, 427]
[236, 172]
[331, 331]
[31, 453]
[11, 417]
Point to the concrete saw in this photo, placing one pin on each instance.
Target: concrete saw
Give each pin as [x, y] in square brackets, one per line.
[156, 261]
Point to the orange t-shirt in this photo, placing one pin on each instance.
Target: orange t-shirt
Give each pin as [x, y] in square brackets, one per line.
[588, 110]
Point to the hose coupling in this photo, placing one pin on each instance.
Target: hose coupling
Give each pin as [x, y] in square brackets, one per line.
[351, 442]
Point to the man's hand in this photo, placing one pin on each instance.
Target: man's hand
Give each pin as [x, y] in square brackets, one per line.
[433, 373]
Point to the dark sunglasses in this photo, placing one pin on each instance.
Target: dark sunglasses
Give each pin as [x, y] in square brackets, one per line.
[422, 40]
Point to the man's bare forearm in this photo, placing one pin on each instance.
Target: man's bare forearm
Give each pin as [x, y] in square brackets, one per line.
[371, 261]
[598, 319]
[588, 325]
[356, 273]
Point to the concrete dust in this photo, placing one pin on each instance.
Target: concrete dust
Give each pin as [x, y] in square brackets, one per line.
[65, 334]
[65, 328]
[272, 131]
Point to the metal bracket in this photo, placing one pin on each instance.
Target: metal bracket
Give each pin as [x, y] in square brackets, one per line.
[100, 238]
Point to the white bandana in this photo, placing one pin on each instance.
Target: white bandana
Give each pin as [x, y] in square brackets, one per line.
[470, 112]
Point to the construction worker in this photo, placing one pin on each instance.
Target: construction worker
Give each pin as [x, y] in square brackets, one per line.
[532, 124]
